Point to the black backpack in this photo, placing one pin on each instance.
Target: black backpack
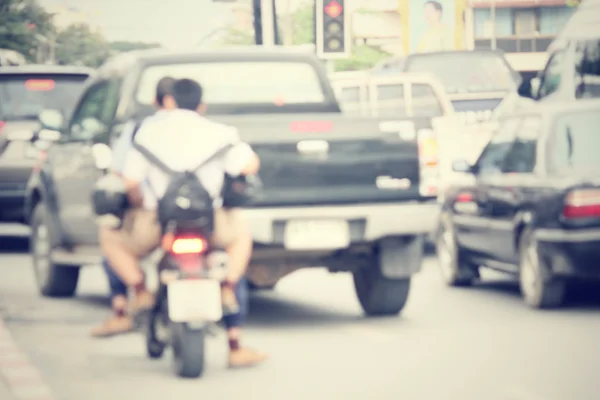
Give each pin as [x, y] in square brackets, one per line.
[186, 201]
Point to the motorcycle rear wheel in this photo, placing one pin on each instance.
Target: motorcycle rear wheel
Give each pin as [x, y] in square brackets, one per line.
[188, 350]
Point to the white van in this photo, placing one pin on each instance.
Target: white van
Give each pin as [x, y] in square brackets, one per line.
[573, 68]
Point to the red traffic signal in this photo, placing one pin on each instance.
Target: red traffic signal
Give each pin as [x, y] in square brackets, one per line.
[333, 9]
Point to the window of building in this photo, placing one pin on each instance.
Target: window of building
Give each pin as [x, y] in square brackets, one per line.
[525, 22]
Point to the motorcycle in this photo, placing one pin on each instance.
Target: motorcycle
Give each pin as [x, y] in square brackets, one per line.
[188, 299]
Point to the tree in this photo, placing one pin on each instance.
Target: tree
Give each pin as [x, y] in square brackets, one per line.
[78, 45]
[363, 57]
[123, 46]
[24, 25]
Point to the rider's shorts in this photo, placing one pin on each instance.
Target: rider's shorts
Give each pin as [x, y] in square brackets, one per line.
[141, 232]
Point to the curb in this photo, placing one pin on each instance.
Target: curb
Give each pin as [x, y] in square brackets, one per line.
[23, 380]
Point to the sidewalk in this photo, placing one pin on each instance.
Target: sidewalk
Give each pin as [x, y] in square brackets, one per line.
[19, 379]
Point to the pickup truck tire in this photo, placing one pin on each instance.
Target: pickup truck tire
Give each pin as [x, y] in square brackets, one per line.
[455, 270]
[378, 295]
[539, 288]
[53, 280]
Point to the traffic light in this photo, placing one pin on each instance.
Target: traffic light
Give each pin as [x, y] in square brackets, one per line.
[333, 29]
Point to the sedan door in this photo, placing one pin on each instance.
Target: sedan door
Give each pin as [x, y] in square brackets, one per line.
[509, 191]
[473, 223]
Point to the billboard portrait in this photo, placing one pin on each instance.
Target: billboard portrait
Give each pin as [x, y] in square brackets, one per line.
[432, 25]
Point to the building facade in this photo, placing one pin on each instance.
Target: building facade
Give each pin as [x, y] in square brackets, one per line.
[523, 29]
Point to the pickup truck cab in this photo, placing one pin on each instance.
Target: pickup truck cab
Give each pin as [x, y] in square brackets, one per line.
[475, 81]
[352, 194]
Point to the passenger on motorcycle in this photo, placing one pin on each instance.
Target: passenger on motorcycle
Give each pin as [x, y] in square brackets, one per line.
[180, 139]
[120, 322]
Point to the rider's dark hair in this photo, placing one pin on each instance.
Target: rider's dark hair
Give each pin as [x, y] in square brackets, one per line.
[187, 94]
[437, 5]
[164, 88]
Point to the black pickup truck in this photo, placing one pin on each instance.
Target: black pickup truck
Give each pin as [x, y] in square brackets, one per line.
[351, 194]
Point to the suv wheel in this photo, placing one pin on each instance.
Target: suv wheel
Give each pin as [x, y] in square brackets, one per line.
[53, 280]
[538, 287]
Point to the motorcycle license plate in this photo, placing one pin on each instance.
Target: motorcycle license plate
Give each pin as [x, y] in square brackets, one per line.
[194, 300]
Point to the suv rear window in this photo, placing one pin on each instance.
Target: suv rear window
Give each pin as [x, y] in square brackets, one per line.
[25, 96]
[465, 72]
[576, 141]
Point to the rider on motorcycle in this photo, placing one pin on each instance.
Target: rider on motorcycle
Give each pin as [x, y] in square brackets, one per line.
[180, 138]
[120, 321]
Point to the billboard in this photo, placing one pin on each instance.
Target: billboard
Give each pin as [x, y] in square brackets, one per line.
[433, 25]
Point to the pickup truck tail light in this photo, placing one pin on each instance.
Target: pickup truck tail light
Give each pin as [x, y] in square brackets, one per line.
[582, 203]
[428, 162]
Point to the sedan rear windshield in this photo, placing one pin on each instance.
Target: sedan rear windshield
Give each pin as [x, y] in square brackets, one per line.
[25, 96]
[263, 86]
[577, 141]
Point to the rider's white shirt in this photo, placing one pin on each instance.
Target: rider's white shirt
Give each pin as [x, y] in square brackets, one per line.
[182, 139]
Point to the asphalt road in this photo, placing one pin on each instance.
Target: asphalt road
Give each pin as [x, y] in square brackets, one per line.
[469, 344]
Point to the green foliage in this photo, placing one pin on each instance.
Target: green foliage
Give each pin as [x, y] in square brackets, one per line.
[23, 25]
[123, 46]
[78, 45]
[303, 25]
[363, 57]
[573, 3]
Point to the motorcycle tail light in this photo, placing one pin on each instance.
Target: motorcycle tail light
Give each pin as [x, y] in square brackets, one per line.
[184, 244]
[188, 246]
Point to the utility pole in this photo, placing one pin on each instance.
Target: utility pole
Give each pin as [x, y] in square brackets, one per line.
[493, 17]
[288, 29]
[268, 22]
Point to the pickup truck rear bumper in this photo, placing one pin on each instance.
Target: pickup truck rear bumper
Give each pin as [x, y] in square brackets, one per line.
[368, 222]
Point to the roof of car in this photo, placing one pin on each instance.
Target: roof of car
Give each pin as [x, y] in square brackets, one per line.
[45, 69]
[454, 52]
[121, 63]
[584, 23]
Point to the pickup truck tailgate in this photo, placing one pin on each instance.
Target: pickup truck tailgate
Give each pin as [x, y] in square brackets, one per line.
[333, 159]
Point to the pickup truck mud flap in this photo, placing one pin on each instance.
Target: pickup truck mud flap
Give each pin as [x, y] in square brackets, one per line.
[401, 257]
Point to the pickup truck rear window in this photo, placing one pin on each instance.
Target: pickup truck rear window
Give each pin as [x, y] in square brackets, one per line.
[243, 83]
[577, 141]
[24, 96]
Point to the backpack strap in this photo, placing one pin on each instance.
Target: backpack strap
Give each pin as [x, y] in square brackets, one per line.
[152, 158]
[219, 153]
[136, 128]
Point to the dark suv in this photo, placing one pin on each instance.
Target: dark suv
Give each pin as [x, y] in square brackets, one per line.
[24, 92]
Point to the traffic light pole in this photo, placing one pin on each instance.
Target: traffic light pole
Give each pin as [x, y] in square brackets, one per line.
[268, 22]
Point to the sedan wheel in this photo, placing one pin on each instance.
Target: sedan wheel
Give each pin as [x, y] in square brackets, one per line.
[454, 271]
[538, 287]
